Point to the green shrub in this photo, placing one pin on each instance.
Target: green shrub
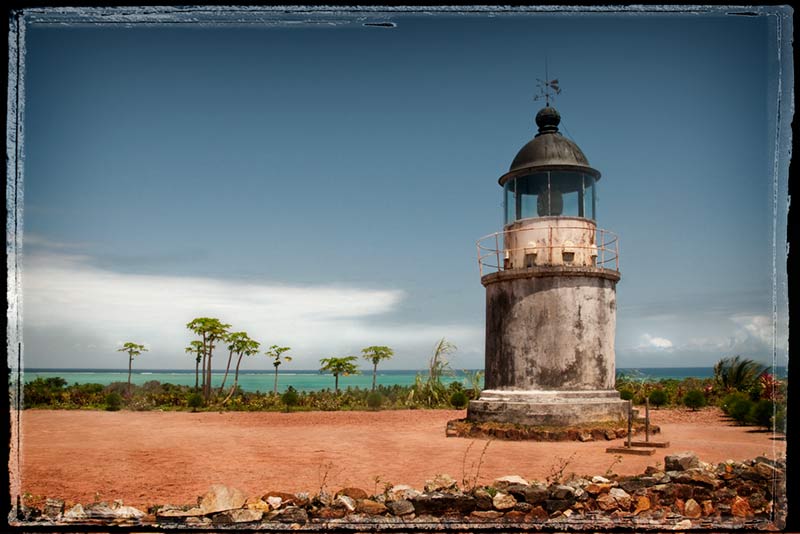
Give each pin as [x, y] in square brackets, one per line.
[113, 401]
[761, 413]
[374, 400]
[195, 401]
[658, 397]
[290, 398]
[459, 400]
[740, 410]
[730, 399]
[626, 394]
[694, 399]
[779, 419]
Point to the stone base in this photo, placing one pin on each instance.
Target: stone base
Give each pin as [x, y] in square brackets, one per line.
[462, 428]
[548, 408]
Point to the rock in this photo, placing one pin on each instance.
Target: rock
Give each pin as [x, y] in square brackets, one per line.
[523, 507]
[302, 498]
[439, 483]
[331, 513]
[692, 509]
[517, 490]
[274, 502]
[562, 491]
[708, 507]
[585, 436]
[681, 461]
[324, 498]
[610, 435]
[293, 514]
[220, 498]
[129, 512]
[402, 492]
[764, 469]
[100, 510]
[642, 504]
[285, 498]
[240, 515]
[536, 493]
[537, 513]
[486, 514]
[509, 480]
[697, 476]
[347, 502]
[553, 506]
[686, 524]
[170, 515]
[596, 489]
[367, 506]
[514, 516]
[53, 508]
[259, 505]
[503, 501]
[606, 502]
[197, 521]
[740, 507]
[401, 507]
[622, 497]
[600, 480]
[483, 499]
[439, 503]
[353, 493]
[634, 484]
[76, 513]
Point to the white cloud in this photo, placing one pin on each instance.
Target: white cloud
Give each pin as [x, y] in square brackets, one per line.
[64, 293]
[652, 342]
[758, 327]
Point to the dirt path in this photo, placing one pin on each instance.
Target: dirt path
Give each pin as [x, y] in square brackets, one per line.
[172, 457]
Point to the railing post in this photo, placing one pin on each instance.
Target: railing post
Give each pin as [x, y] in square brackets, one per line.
[480, 263]
[497, 251]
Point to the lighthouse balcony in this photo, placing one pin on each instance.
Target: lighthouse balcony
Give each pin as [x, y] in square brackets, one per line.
[548, 242]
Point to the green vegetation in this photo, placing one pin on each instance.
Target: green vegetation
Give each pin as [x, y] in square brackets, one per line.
[737, 374]
[290, 398]
[374, 399]
[375, 354]
[133, 350]
[210, 330]
[694, 399]
[459, 400]
[658, 397]
[275, 352]
[339, 366]
[430, 391]
[113, 401]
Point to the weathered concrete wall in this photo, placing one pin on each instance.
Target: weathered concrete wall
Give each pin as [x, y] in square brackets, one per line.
[550, 333]
[544, 240]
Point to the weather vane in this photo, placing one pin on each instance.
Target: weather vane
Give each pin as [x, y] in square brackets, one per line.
[547, 88]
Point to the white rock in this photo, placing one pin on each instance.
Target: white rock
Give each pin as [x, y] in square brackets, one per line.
[509, 480]
[348, 503]
[129, 512]
[75, 513]
[600, 480]
[686, 524]
[274, 502]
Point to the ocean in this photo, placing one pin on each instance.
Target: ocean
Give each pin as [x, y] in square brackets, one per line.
[308, 380]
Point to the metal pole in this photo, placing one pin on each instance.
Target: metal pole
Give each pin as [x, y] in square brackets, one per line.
[647, 419]
[630, 421]
[500, 267]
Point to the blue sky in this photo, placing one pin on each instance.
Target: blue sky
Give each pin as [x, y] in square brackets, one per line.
[323, 187]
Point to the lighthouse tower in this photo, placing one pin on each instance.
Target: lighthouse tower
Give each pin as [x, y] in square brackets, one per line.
[550, 279]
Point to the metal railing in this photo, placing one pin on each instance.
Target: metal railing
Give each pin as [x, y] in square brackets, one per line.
[491, 256]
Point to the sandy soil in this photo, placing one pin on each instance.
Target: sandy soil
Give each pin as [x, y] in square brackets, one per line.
[172, 457]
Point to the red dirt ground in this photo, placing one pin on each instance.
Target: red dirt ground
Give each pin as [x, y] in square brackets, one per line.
[150, 458]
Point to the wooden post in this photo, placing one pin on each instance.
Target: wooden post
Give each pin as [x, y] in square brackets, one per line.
[630, 422]
[646, 419]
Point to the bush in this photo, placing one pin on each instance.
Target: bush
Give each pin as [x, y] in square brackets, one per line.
[195, 401]
[459, 400]
[779, 420]
[730, 400]
[113, 401]
[761, 413]
[694, 399]
[740, 409]
[626, 394]
[290, 398]
[658, 397]
[374, 400]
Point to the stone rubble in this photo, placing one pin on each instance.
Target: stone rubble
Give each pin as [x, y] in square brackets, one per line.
[688, 494]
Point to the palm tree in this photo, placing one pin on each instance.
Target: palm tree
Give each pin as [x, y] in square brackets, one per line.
[196, 347]
[243, 346]
[375, 354]
[133, 349]
[211, 330]
[234, 341]
[275, 352]
[737, 373]
[339, 366]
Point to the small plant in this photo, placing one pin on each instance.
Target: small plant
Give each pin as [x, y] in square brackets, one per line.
[729, 400]
[290, 398]
[658, 397]
[459, 400]
[761, 413]
[467, 483]
[617, 460]
[694, 399]
[625, 394]
[195, 401]
[374, 400]
[557, 470]
[113, 401]
[740, 410]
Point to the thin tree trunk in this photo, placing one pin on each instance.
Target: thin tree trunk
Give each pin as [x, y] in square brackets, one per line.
[275, 388]
[235, 380]
[224, 378]
[337, 382]
[196, 372]
[208, 380]
[374, 374]
[130, 364]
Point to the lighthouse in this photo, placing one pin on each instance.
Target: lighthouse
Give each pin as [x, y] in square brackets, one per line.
[550, 277]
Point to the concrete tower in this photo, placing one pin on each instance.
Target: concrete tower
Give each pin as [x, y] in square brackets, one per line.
[550, 279]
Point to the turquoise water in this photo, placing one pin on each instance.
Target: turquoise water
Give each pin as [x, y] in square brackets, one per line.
[312, 380]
